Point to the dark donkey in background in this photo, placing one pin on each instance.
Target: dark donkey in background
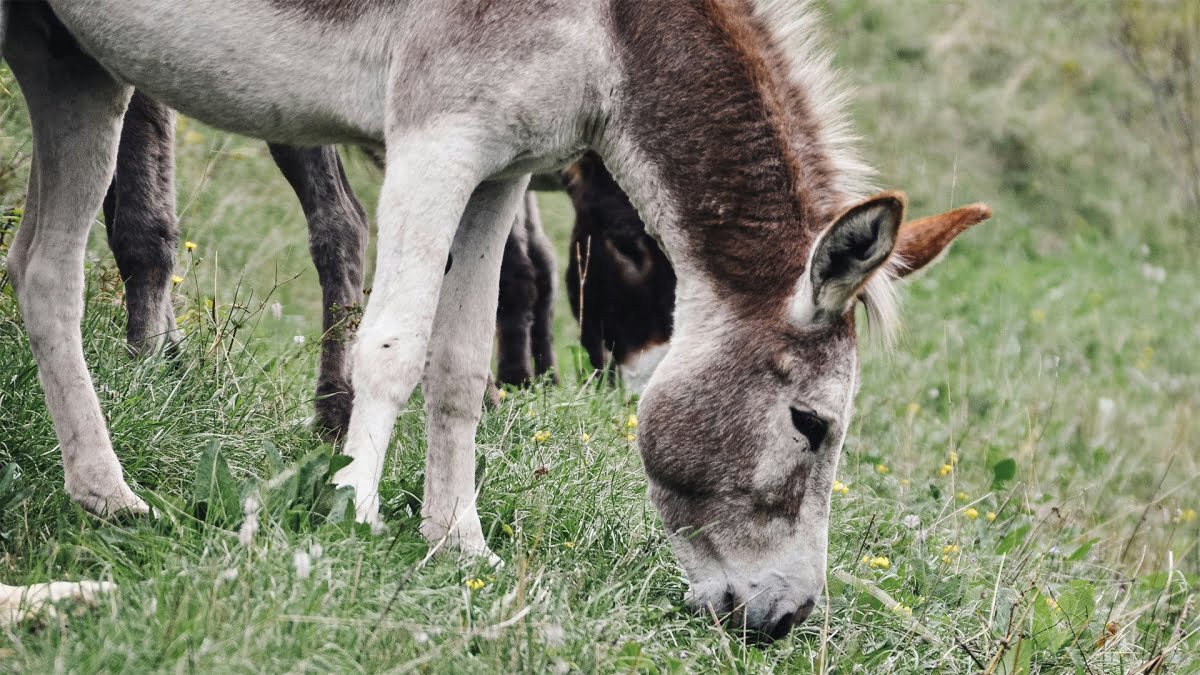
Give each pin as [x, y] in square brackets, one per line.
[143, 232]
[620, 283]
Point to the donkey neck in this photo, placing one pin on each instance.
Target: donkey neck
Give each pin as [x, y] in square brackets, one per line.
[699, 144]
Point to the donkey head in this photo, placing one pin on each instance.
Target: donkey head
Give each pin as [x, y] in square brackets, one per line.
[744, 420]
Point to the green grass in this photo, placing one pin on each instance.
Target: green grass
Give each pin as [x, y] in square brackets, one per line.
[1042, 353]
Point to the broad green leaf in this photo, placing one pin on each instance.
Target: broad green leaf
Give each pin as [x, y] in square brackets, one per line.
[1004, 471]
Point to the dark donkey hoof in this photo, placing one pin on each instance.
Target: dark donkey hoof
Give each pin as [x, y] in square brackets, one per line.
[333, 405]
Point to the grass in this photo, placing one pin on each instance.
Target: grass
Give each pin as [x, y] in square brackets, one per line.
[1047, 375]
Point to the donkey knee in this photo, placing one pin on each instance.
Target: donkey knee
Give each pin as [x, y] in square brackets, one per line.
[387, 364]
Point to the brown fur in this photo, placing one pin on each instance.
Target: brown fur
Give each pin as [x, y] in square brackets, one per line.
[729, 86]
[923, 240]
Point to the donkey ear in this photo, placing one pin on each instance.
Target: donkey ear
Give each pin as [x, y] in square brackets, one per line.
[850, 251]
[922, 241]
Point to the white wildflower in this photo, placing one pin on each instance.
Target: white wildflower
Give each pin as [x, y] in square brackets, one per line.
[1154, 273]
[250, 507]
[276, 310]
[299, 339]
[553, 635]
[303, 563]
[912, 521]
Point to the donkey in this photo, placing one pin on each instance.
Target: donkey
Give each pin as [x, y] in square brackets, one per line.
[620, 284]
[143, 233]
[719, 119]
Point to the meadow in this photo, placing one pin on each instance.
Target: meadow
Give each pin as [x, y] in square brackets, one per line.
[1018, 492]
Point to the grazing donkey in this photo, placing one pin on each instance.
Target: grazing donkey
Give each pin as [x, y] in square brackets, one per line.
[620, 284]
[143, 233]
[719, 119]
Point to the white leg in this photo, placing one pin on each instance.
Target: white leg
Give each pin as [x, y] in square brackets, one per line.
[76, 110]
[428, 182]
[456, 373]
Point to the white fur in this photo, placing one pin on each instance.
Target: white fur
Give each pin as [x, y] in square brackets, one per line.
[638, 368]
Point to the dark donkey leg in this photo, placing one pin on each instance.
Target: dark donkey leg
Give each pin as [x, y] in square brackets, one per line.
[337, 238]
[139, 216]
[514, 312]
[541, 255]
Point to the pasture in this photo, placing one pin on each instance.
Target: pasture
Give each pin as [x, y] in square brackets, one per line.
[1018, 492]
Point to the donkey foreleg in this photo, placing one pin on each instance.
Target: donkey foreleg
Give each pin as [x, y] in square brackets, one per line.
[75, 109]
[427, 184]
[457, 369]
[337, 239]
[143, 231]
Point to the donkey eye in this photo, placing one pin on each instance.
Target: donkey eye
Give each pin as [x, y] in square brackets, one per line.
[813, 427]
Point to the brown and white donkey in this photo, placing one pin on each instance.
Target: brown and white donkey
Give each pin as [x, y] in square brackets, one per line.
[719, 118]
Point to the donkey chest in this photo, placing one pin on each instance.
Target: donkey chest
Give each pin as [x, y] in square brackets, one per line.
[237, 65]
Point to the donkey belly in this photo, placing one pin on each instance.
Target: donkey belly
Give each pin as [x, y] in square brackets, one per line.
[240, 65]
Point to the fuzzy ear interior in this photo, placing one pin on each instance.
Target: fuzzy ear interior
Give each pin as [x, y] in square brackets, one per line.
[858, 243]
[922, 241]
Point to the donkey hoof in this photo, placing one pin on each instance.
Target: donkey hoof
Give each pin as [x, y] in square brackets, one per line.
[120, 501]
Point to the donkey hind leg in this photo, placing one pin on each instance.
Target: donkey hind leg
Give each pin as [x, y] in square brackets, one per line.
[457, 369]
[514, 313]
[427, 184]
[541, 254]
[75, 108]
[143, 231]
[337, 239]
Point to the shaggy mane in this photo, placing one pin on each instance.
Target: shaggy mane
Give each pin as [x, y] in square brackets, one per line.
[821, 131]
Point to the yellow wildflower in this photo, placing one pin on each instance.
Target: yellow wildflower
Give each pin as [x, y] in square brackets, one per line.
[630, 437]
[902, 608]
[953, 456]
[568, 545]
[971, 513]
[945, 470]
[913, 409]
[882, 469]
[1186, 516]
[962, 496]
[905, 482]
[880, 563]
[947, 560]
[991, 516]
[502, 395]
[585, 437]
[951, 548]
[541, 436]
[840, 488]
[631, 423]
[191, 245]
[476, 584]
[1144, 360]
[1051, 602]
[176, 279]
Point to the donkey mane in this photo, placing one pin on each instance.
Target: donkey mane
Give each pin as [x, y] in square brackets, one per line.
[821, 134]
